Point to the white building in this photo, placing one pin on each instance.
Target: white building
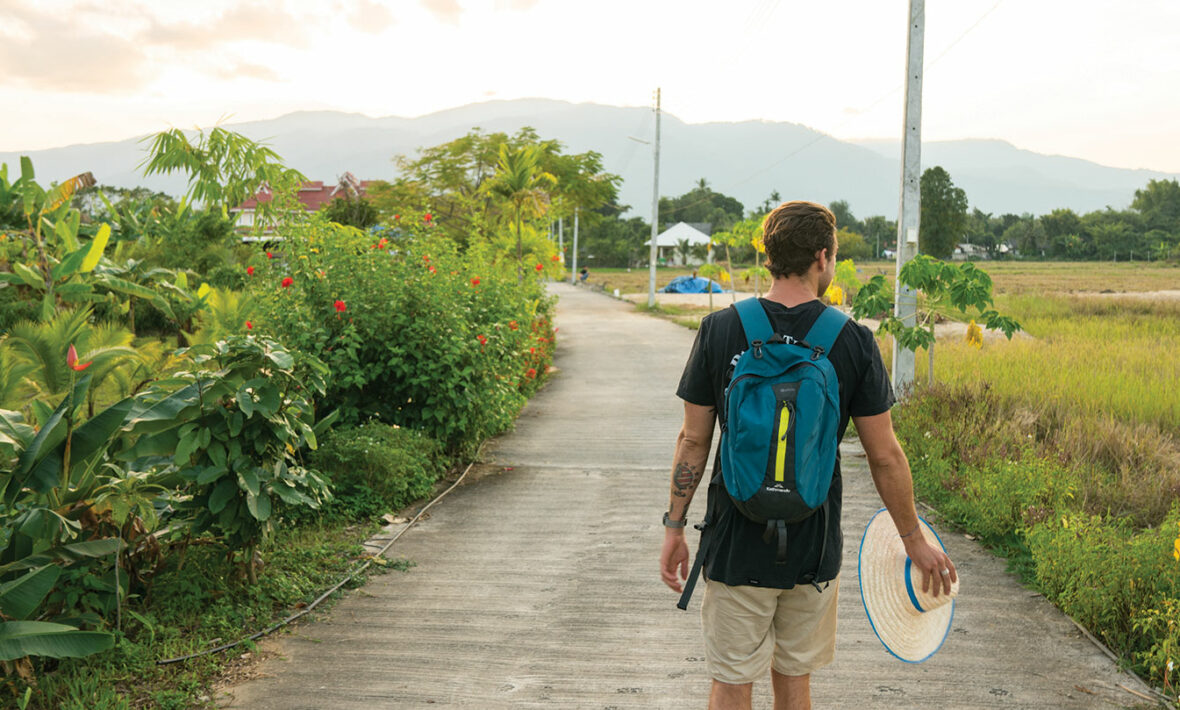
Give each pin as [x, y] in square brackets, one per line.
[668, 244]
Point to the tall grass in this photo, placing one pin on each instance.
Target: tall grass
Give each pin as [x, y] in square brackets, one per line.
[1103, 358]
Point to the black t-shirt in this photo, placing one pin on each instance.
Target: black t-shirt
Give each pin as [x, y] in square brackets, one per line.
[738, 555]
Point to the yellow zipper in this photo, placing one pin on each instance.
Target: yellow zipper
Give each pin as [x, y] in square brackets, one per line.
[780, 456]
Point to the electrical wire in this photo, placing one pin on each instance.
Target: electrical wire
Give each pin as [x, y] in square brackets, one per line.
[351, 575]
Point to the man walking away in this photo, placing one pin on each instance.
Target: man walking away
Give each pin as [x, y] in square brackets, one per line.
[764, 609]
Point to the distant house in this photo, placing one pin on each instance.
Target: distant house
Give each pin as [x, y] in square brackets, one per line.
[968, 252]
[668, 244]
[312, 195]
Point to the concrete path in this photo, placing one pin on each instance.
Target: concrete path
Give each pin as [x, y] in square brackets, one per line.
[537, 587]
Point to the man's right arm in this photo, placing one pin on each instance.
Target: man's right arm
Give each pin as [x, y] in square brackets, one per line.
[891, 475]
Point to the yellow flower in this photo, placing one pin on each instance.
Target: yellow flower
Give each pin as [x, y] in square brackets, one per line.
[1176, 548]
[974, 334]
[758, 245]
[315, 251]
[835, 295]
[724, 277]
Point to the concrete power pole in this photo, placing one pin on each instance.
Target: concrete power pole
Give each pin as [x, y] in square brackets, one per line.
[575, 269]
[655, 212]
[905, 299]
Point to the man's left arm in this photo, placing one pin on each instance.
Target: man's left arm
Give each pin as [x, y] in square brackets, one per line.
[688, 469]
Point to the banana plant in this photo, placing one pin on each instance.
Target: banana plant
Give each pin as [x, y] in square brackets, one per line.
[51, 227]
[20, 599]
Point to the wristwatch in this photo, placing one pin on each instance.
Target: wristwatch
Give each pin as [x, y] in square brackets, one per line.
[669, 523]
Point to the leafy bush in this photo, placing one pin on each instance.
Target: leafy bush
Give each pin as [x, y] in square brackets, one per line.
[233, 430]
[992, 468]
[395, 466]
[414, 333]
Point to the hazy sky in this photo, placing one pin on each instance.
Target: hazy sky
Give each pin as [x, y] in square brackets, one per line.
[1096, 79]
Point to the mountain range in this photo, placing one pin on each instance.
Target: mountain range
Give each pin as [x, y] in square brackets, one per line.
[747, 160]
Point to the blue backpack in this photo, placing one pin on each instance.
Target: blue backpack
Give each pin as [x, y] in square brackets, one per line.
[779, 419]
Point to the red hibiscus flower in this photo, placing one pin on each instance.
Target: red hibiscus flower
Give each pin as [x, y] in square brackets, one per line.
[512, 324]
[425, 257]
[475, 281]
[249, 270]
[427, 216]
[540, 267]
[530, 373]
[249, 325]
[397, 216]
[287, 281]
[72, 361]
[483, 340]
[555, 257]
[340, 307]
[269, 255]
[433, 270]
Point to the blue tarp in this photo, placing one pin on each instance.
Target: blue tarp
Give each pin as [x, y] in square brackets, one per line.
[692, 284]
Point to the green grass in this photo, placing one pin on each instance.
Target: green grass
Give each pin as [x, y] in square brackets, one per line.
[201, 605]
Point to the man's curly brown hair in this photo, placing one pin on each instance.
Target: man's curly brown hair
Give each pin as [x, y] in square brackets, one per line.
[793, 232]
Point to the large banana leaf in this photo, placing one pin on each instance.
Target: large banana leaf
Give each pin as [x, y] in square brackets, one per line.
[41, 638]
[87, 443]
[21, 597]
[40, 465]
[65, 553]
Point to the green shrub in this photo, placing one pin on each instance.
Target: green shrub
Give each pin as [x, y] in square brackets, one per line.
[393, 465]
[415, 333]
[995, 470]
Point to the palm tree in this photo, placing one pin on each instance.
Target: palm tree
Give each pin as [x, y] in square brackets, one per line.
[42, 348]
[520, 180]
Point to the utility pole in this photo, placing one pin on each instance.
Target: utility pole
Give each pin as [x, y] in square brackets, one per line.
[905, 299]
[655, 213]
[575, 270]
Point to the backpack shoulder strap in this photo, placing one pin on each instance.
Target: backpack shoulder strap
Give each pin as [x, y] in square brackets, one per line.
[754, 321]
[826, 329]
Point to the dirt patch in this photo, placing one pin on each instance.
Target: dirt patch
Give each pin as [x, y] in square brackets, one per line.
[1166, 295]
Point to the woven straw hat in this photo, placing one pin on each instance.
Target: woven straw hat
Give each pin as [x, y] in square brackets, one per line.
[911, 623]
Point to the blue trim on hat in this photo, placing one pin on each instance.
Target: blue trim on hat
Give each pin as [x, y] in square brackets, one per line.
[859, 557]
[909, 586]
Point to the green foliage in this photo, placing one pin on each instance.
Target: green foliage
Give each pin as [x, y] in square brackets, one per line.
[223, 168]
[356, 212]
[944, 213]
[428, 339]
[396, 465]
[973, 459]
[853, 245]
[519, 181]
[702, 204]
[950, 290]
[235, 428]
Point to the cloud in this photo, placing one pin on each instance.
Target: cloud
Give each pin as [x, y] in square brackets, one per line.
[55, 54]
[246, 70]
[517, 5]
[445, 10]
[370, 17]
[247, 22]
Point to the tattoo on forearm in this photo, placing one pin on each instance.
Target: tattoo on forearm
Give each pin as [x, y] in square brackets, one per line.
[684, 478]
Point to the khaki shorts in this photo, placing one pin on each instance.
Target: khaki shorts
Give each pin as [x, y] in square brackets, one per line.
[746, 628]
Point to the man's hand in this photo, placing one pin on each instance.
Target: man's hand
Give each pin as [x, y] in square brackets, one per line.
[932, 561]
[674, 555]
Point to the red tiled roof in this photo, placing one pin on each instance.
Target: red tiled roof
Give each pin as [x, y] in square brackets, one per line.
[314, 195]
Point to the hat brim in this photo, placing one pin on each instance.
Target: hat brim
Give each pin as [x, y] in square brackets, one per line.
[907, 634]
